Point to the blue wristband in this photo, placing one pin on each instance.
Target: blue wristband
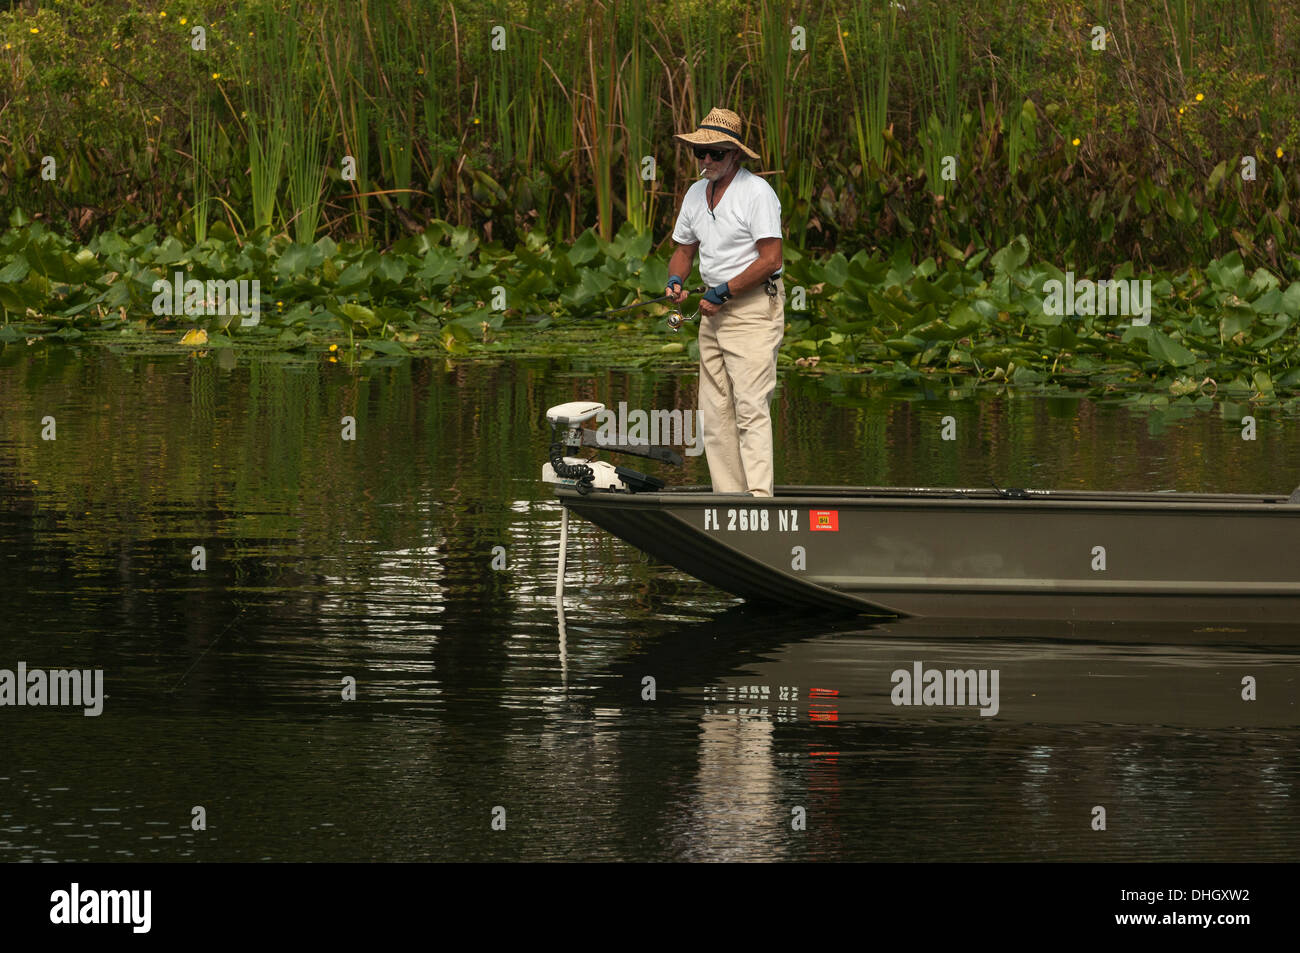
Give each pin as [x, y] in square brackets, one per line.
[718, 294]
[674, 280]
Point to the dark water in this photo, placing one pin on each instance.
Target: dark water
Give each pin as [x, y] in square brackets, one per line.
[372, 560]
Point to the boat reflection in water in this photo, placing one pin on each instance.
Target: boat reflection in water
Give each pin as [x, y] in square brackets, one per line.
[789, 713]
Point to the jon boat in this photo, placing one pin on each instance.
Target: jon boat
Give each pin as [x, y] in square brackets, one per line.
[946, 552]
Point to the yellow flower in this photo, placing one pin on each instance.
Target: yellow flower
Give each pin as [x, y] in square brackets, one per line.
[184, 20]
[250, 32]
[846, 32]
[420, 71]
[1279, 152]
[162, 14]
[1181, 110]
[334, 347]
[476, 121]
[36, 29]
[1199, 97]
[1075, 142]
[216, 76]
[8, 46]
[157, 119]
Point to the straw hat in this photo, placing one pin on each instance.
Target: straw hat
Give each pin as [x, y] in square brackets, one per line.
[720, 125]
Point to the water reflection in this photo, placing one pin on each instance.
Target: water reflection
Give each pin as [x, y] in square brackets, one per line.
[377, 560]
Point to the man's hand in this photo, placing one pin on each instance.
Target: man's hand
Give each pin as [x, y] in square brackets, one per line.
[714, 298]
[674, 290]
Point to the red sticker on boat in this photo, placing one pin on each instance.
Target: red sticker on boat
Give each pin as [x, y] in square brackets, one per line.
[824, 519]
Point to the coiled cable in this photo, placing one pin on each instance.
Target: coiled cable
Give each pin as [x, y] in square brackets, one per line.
[571, 471]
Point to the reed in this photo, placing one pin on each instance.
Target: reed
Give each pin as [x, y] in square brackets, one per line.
[1179, 19]
[941, 126]
[306, 169]
[707, 41]
[440, 105]
[203, 138]
[512, 95]
[793, 110]
[267, 145]
[344, 67]
[596, 103]
[1021, 119]
[636, 99]
[1258, 29]
[264, 72]
[586, 88]
[871, 38]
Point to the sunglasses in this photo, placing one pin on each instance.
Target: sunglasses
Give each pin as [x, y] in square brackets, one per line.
[717, 155]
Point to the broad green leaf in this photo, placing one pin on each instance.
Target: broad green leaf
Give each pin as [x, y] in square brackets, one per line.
[360, 314]
[1168, 351]
[15, 271]
[584, 249]
[1009, 259]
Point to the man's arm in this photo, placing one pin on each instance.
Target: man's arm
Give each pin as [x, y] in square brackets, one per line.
[769, 260]
[680, 265]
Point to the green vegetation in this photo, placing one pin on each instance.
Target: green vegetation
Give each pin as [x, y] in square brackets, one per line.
[1221, 331]
[852, 116]
[498, 190]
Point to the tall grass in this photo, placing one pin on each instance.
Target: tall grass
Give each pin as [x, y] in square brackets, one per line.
[263, 74]
[305, 161]
[940, 134]
[871, 38]
[1258, 27]
[267, 145]
[394, 99]
[1179, 19]
[707, 40]
[554, 136]
[344, 67]
[440, 107]
[203, 139]
[518, 85]
[1021, 115]
[636, 108]
[596, 114]
[792, 109]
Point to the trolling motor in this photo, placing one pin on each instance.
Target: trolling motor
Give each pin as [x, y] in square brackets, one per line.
[568, 437]
[565, 468]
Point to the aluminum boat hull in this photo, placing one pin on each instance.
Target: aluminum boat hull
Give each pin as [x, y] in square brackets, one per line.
[960, 553]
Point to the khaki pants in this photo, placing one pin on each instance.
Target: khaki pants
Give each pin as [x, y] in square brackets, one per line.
[738, 348]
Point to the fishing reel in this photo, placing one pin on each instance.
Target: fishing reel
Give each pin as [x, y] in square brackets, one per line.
[676, 318]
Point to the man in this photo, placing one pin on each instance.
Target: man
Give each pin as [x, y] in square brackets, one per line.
[733, 218]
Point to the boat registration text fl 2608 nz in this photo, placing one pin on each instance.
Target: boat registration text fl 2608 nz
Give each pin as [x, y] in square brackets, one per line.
[947, 552]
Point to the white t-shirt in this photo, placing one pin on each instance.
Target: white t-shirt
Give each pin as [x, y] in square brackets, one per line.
[749, 210]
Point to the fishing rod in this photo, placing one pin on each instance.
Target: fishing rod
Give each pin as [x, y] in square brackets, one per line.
[641, 304]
